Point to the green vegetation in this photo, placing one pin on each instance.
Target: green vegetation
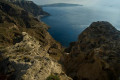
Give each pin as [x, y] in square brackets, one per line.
[53, 77]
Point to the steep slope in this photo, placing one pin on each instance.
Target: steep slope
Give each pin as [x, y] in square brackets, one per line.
[31, 7]
[13, 15]
[15, 20]
[96, 54]
[28, 60]
[27, 50]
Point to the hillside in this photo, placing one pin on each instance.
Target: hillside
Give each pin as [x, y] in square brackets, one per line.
[15, 16]
[95, 56]
[28, 60]
[60, 5]
[27, 50]
[13, 20]
[31, 7]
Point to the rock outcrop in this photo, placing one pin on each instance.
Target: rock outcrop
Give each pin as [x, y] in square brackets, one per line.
[15, 20]
[95, 56]
[14, 15]
[30, 7]
[27, 60]
[27, 50]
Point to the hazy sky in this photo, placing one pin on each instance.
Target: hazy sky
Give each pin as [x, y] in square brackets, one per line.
[62, 1]
[84, 2]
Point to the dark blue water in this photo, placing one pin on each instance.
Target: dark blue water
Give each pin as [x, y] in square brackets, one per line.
[68, 22]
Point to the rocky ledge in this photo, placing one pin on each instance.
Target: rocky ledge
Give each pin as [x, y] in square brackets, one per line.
[27, 60]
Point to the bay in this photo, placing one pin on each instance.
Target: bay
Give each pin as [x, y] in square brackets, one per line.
[68, 22]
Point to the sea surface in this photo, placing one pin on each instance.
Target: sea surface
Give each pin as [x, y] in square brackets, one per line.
[68, 22]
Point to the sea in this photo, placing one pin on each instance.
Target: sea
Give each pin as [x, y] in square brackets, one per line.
[66, 23]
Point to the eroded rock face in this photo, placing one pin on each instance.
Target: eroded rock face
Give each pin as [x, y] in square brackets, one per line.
[95, 56]
[23, 57]
[30, 6]
[14, 20]
[14, 15]
[27, 60]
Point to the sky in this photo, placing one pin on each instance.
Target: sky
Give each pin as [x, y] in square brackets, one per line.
[83, 2]
[61, 1]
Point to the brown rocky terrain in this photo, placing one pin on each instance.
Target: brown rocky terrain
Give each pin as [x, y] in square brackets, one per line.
[28, 60]
[27, 50]
[96, 54]
[30, 7]
[13, 24]
[12, 15]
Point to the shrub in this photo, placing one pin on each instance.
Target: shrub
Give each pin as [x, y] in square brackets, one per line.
[53, 77]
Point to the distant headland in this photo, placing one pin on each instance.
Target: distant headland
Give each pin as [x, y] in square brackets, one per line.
[60, 5]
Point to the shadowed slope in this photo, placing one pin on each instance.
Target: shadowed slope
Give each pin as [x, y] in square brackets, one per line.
[95, 56]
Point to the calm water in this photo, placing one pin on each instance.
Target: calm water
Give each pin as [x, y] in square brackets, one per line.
[68, 22]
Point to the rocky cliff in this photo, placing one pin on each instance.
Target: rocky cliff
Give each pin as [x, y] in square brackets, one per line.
[27, 50]
[95, 56]
[11, 15]
[28, 60]
[30, 7]
[15, 20]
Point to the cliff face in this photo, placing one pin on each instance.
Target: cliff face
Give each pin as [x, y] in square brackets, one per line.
[13, 15]
[28, 60]
[15, 20]
[27, 50]
[30, 7]
[95, 56]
